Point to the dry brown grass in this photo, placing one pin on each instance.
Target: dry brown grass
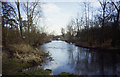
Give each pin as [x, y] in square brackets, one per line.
[23, 48]
[27, 53]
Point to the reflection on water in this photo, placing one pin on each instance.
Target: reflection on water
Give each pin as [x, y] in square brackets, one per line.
[81, 61]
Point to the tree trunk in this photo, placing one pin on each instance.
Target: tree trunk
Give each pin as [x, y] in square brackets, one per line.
[20, 19]
[115, 35]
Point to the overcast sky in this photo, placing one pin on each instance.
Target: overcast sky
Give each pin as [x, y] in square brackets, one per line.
[58, 14]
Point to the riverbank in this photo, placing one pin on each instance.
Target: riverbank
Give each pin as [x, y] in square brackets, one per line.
[17, 57]
[105, 46]
[21, 56]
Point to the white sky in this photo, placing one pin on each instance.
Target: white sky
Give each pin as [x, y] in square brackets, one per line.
[58, 14]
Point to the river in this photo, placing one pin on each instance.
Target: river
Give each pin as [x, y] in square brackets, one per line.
[80, 61]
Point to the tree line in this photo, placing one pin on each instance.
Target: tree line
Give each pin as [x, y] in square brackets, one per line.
[102, 27]
[20, 21]
[21, 36]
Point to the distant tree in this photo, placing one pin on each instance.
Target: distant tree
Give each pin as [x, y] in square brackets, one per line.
[85, 11]
[88, 4]
[77, 24]
[63, 31]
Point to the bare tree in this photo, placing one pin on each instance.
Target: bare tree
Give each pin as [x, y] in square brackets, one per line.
[33, 12]
[117, 7]
[103, 4]
[88, 4]
[116, 22]
[63, 31]
[8, 20]
[20, 19]
[85, 4]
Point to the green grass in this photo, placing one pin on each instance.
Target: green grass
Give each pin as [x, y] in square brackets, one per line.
[38, 72]
[11, 66]
[65, 73]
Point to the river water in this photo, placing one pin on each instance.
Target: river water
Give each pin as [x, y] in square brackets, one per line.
[80, 61]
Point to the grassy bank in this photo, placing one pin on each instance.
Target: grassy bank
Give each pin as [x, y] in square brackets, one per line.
[19, 56]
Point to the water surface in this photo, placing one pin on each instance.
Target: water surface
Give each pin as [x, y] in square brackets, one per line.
[80, 61]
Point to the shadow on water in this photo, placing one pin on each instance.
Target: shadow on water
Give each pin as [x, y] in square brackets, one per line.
[89, 62]
[81, 61]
